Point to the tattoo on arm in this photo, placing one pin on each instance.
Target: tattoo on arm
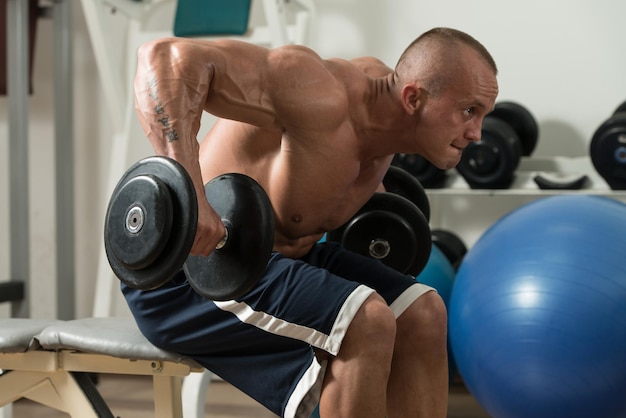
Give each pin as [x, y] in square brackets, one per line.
[164, 119]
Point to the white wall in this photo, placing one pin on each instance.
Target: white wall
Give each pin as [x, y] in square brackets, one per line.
[564, 60]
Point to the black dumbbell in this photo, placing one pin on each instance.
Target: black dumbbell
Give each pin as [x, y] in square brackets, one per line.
[608, 149]
[522, 121]
[451, 245]
[429, 176]
[151, 224]
[389, 228]
[508, 133]
[401, 182]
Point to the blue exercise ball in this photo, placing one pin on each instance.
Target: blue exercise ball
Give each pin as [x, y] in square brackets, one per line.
[537, 316]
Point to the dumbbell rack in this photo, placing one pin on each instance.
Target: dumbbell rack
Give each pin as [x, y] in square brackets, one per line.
[530, 167]
[469, 212]
[16, 289]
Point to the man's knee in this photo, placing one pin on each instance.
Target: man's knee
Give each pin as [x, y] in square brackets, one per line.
[425, 319]
[374, 324]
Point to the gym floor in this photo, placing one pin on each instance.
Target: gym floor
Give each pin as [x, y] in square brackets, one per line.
[131, 397]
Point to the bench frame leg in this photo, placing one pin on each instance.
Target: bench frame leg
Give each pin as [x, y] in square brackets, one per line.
[58, 389]
[60, 380]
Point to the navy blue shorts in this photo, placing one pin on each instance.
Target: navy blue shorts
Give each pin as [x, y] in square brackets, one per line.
[263, 343]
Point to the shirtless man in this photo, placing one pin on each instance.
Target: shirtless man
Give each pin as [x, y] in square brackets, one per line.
[323, 325]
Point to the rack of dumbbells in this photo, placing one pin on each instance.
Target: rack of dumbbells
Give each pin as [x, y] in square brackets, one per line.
[502, 160]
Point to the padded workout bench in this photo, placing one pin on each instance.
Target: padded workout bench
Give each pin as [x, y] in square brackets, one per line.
[49, 361]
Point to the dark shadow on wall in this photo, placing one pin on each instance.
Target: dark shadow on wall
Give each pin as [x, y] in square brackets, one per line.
[557, 138]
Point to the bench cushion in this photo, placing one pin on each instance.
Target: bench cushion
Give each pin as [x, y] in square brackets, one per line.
[117, 337]
[17, 335]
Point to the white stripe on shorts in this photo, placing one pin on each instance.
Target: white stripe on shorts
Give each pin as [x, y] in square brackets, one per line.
[344, 318]
[410, 295]
[307, 393]
[278, 326]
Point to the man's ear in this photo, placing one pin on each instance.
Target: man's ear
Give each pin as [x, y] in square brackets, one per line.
[412, 96]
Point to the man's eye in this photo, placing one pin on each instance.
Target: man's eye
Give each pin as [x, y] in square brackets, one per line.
[469, 110]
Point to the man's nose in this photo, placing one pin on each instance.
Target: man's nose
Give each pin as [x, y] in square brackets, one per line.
[475, 131]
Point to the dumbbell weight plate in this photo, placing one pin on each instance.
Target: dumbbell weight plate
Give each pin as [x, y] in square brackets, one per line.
[414, 244]
[382, 235]
[608, 151]
[245, 209]
[423, 170]
[450, 245]
[491, 162]
[146, 247]
[401, 182]
[522, 122]
[143, 211]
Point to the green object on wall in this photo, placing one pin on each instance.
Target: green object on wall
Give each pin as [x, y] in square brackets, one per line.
[211, 17]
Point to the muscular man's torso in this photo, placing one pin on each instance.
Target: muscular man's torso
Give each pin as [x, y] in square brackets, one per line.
[314, 186]
[317, 163]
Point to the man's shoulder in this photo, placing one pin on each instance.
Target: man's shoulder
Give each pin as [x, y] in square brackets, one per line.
[307, 59]
[371, 66]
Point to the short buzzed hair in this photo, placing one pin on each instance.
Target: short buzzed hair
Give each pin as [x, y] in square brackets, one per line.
[431, 56]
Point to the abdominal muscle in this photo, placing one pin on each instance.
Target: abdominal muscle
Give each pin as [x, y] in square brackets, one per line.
[312, 190]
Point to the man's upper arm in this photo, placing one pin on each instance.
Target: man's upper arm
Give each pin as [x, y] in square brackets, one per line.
[286, 87]
[180, 78]
[239, 89]
[280, 87]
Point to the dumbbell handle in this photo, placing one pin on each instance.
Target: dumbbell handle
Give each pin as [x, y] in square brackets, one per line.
[223, 241]
[135, 220]
[379, 248]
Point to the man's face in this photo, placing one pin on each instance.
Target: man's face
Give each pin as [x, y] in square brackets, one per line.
[453, 119]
